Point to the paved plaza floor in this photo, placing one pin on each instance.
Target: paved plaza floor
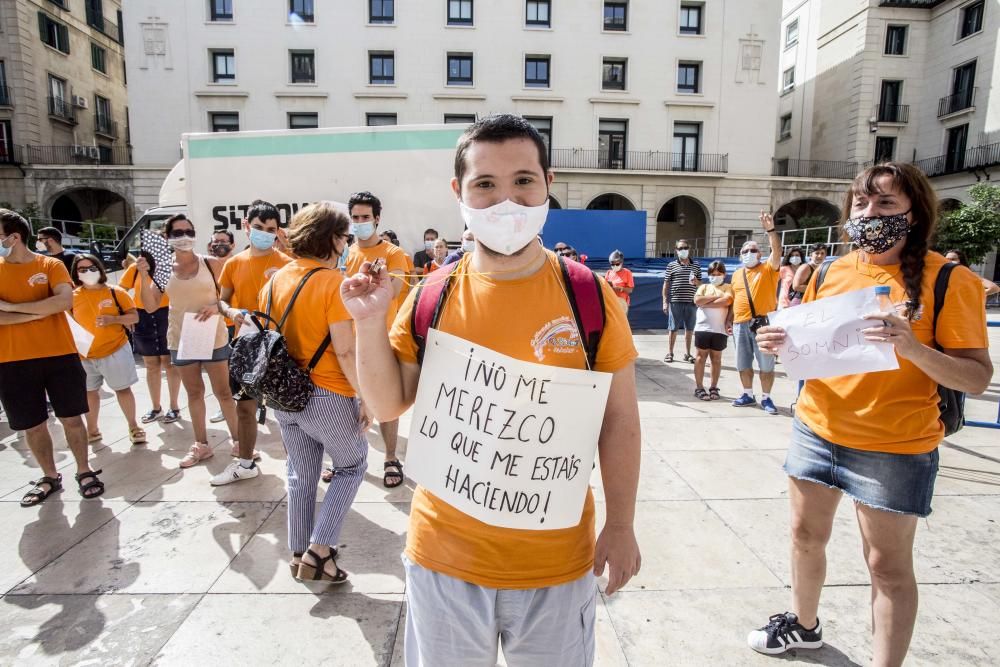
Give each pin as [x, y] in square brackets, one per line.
[165, 569]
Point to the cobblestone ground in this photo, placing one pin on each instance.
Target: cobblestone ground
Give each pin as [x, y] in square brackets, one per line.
[166, 569]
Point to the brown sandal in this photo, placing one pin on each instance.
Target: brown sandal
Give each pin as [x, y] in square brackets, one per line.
[318, 571]
[293, 566]
[394, 472]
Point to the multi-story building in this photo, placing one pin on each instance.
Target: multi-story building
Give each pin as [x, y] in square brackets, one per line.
[63, 109]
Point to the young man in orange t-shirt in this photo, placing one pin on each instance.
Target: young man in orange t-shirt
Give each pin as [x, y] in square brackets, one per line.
[38, 357]
[531, 589]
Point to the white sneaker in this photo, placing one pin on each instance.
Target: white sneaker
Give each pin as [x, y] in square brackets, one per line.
[217, 417]
[234, 472]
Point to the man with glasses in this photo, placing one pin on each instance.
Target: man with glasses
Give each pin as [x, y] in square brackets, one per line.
[680, 282]
[50, 242]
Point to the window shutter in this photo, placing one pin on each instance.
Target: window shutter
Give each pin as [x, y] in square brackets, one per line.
[63, 38]
[41, 26]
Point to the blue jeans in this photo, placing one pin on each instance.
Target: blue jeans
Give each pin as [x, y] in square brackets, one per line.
[747, 350]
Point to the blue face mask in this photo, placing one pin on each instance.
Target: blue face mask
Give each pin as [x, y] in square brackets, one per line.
[342, 260]
[363, 230]
[4, 250]
[262, 240]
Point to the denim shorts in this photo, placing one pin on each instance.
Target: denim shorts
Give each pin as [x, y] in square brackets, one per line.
[747, 350]
[902, 483]
[682, 316]
[218, 354]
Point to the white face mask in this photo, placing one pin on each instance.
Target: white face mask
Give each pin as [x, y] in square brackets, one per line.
[89, 277]
[469, 246]
[794, 260]
[184, 243]
[40, 246]
[506, 227]
[429, 246]
[683, 254]
[750, 259]
[716, 280]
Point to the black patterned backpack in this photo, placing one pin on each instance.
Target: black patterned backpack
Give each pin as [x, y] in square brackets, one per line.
[261, 366]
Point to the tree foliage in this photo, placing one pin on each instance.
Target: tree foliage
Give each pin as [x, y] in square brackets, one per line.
[973, 228]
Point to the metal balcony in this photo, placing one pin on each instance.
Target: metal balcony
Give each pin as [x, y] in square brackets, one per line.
[62, 109]
[960, 101]
[978, 157]
[82, 154]
[893, 113]
[814, 168]
[105, 126]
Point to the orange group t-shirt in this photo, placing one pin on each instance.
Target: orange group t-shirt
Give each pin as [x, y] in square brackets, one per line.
[88, 304]
[130, 281]
[34, 281]
[763, 280]
[621, 278]
[317, 307]
[893, 411]
[528, 319]
[395, 263]
[246, 275]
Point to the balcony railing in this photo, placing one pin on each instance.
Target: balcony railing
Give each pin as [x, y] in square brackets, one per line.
[578, 158]
[960, 101]
[893, 113]
[109, 28]
[83, 154]
[814, 168]
[5, 97]
[978, 157]
[60, 108]
[104, 126]
[10, 154]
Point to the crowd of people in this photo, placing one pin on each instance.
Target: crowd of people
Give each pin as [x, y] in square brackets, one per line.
[343, 296]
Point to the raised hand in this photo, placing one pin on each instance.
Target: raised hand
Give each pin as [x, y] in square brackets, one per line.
[366, 296]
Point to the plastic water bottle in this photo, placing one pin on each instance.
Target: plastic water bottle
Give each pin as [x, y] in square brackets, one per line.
[885, 304]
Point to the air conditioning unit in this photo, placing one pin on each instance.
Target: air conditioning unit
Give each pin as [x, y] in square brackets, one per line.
[80, 151]
[93, 153]
[80, 101]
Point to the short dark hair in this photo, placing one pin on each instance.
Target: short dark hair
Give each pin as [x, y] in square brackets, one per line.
[961, 256]
[12, 222]
[74, 272]
[314, 229]
[232, 239]
[263, 211]
[50, 232]
[717, 267]
[816, 247]
[392, 236]
[496, 129]
[365, 198]
[169, 225]
[431, 230]
[790, 252]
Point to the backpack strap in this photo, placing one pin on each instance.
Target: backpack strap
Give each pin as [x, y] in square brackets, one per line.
[295, 295]
[587, 301]
[114, 297]
[427, 305]
[746, 284]
[940, 290]
[212, 273]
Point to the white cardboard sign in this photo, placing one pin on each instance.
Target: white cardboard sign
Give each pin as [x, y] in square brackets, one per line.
[825, 340]
[508, 442]
[197, 338]
[83, 338]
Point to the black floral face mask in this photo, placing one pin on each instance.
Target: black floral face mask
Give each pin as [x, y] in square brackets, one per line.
[876, 235]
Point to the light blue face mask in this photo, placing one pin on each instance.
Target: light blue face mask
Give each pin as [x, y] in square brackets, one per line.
[363, 230]
[342, 260]
[4, 250]
[262, 240]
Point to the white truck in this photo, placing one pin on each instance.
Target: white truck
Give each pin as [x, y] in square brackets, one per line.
[408, 168]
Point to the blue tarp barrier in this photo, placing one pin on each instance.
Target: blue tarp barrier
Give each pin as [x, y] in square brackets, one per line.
[597, 233]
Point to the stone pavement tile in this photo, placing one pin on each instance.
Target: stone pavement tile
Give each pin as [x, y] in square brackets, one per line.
[958, 542]
[154, 548]
[990, 591]
[733, 474]
[686, 545]
[194, 483]
[344, 630]
[720, 433]
[39, 535]
[667, 407]
[105, 630]
[657, 481]
[373, 538]
[968, 471]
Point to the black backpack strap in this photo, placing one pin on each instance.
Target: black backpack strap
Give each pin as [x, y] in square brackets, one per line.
[821, 274]
[319, 353]
[940, 290]
[746, 283]
[295, 295]
[212, 273]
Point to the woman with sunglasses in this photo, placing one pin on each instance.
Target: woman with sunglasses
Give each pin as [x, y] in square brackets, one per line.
[104, 311]
[193, 288]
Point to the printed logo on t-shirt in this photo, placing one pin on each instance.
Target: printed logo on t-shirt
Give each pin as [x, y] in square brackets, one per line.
[559, 336]
[104, 304]
[38, 279]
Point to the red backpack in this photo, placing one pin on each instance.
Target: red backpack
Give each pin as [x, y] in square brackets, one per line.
[584, 293]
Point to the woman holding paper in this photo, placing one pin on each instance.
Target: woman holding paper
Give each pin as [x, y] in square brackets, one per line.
[874, 436]
[196, 333]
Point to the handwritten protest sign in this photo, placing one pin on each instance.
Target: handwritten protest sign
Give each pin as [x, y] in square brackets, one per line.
[508, 442]
[825, 340]
[197, 338]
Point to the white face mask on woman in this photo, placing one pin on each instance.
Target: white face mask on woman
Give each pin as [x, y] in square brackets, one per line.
[716, 280]
[90, 278]
[184, 243]
[794, 260]
[506, 227]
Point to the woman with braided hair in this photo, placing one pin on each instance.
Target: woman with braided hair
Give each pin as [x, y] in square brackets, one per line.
[874, 436]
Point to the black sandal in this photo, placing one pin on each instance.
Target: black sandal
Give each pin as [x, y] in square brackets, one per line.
[318, 571]
[396, 474]
[713, 393]
[37, 494]
[702, 394]
[94, 483]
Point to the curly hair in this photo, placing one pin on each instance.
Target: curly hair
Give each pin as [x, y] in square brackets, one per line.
[313, 231]
[910, 181]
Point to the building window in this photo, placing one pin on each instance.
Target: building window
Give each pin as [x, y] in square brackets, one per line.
[220, 10]
[303, 66]
[381, 11]
[6, 142]
[224, 121]
[5, 100]
[792, 33]
[460, 118]
[379, 119]
[536, 72]
[612, 140]
[691, 18]
[95, 14]
[537, 13]
[544, 126]
[98, 58]
[616, 15]
[223, 66]
[381, 67]
[53, 33]
[972, 18]
[303, 121]
[954, 159]
[788, 80]
[102, 116]
[303, 10]
[895, 40]
[885, 149]
[459, 69]
[689, 78]
[786, 127]
[687, 144]
[459, 12]
[613, 77]
[61, 4]
[890, 109]
[58, 104]
[963, 86]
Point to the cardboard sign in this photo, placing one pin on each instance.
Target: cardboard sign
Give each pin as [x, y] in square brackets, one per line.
[825, 340]
[508, 442]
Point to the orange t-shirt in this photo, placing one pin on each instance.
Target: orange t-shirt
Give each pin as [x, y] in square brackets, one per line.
[317, 307]
[129, 281]
[893, 411]
[395, 263]
[763, 280]
[88, 304]
[519, 318]
[33, 281]
[246, 275]
[621, 278]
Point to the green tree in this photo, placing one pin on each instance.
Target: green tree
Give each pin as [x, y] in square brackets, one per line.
[817, 226]
[973, 228]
